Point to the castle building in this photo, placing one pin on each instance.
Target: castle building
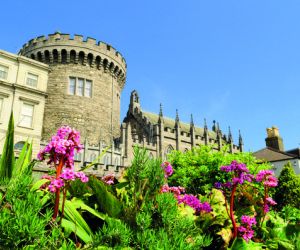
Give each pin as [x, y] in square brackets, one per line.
[80, 82]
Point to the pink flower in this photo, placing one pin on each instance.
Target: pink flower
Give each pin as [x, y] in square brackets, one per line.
[167, 169]
[108, 179]
[267, 177]
[246, 230]
[271, 201]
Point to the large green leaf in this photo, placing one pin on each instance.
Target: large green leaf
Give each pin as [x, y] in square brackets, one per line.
[74, 216]
[8, 158]
[107, 202]
[71, 226]
[79, 204]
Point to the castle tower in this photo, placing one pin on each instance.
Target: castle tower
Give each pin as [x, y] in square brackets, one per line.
[84, 86]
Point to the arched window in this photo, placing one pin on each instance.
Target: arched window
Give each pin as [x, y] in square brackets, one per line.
[151, 156]
[55, 56]
[98, 61]
[93, 157]
[77, 157]
[39, 56]
[90, 58]
[106, 160]
[81, 57]
[63, 56]
[168, 150]
[47, 56]
[72, 56]
[117, 161]
[111, 67]
[105, 63]
[19, 145]
[32, 56]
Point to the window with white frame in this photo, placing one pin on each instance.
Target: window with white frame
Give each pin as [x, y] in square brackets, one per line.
[80, 86]
[3, 72]
[32, 80]
[26, 116]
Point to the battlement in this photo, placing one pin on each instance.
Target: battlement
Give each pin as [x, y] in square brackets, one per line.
[61, 48]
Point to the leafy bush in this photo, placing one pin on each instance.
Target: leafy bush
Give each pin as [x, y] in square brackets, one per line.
[288, 189]
[198, 169]
[23, 223]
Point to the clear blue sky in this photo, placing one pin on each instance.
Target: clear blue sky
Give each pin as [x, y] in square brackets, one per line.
[237, 62]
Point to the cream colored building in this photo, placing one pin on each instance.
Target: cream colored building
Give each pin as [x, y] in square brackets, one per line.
[23, 86]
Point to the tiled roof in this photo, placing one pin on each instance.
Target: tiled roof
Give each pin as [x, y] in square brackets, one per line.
[270, 154]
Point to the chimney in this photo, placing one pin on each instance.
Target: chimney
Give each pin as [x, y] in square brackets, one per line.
[273, 139]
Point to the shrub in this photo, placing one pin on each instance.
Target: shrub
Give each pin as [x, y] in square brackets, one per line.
[288, 190]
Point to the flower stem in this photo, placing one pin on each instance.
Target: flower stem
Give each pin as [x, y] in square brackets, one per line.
[57, 193]
[231, 211]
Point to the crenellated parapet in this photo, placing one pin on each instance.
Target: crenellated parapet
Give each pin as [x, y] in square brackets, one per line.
[60, 48]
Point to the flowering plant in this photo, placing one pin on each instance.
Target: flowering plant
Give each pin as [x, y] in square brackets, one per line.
[60, 152]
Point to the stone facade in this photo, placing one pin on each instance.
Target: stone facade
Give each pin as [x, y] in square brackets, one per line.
[95, 114]
[23, 86]
[160, 135]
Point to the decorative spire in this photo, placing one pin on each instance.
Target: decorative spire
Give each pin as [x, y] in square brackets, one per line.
[205, 125]
[177, 119]
[230, 139]
[192, 121]
[241, 143]
[214, 128]
[160, 116]
[160, 110]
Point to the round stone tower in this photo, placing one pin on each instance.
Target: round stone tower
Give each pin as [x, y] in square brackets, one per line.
[85, 82]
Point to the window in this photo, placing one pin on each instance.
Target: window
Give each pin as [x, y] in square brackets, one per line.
[93, 157]
[3, 72]
[80, 87]
[26, 116]
[32, 80]
[19, 145]
[72, 85]
[88, 88]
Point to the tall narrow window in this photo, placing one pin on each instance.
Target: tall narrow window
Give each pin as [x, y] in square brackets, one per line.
[1, 104]
[72, 85]
[26, 115]
[3, 72]
[80, 83]
[32, 80]
[88, 88]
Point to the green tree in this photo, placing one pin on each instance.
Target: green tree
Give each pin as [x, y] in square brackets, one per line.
[288, 190]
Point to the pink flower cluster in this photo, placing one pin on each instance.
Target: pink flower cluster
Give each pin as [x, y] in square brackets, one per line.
[246, 230]
[240, 171]
[167, 169]
[60, 150]
[194, 202]
[67, 175]
[187, 199]
[108, 179]
[62, 146]
[267, 177]
[269, 202]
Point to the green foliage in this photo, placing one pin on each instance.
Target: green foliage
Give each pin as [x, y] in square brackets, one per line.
[114, 233]
[198, 169]
[7, 160]
[162, 225]
[23, 221]
[288, 190]
[145, 177]
[106, 200]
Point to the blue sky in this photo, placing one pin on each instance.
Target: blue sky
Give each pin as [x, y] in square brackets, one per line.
[237, 62]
